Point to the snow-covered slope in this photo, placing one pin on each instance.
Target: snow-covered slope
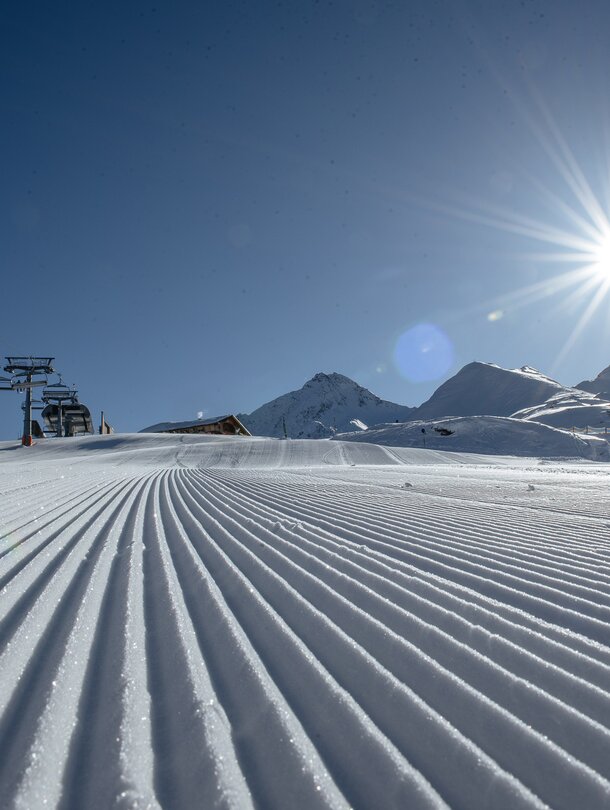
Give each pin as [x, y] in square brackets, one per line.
[486, 434]
[236, 623]
[580, 411]
[486, 389]
[600, 385]
[325, 404]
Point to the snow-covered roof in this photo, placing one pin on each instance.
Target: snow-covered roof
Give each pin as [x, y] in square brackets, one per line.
[162, 427]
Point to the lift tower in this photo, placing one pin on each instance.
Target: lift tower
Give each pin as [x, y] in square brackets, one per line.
[28, 373]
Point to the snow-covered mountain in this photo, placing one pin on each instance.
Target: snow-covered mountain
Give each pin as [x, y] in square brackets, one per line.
[490, 435]
[600, 385]
[574, 409]
[326, 404]
[487, 389]
[333, 403]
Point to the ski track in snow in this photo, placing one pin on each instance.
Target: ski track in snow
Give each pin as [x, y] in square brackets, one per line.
[244, 624]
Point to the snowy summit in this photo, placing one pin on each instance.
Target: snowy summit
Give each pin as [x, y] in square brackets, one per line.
[325, 405]
[485, 389]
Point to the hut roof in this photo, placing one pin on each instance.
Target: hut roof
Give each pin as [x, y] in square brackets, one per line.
[164, 427]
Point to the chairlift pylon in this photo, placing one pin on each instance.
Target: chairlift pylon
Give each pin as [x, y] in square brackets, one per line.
[62, 412]
[28, 372]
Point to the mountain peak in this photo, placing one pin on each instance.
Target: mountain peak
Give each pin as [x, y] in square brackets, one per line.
[488, 389]
[333, 378]
[326, 403]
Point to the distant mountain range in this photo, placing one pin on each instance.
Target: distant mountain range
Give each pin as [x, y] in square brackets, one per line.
[325, 405]
[332, 403]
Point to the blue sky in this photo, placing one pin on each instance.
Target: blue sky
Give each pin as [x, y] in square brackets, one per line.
[204, 204]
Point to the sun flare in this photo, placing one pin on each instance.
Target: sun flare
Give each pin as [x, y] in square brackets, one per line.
[576, 242]
[601, 257]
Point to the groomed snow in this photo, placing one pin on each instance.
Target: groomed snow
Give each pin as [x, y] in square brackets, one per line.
[231, 623]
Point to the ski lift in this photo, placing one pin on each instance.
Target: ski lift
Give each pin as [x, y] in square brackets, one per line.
[27, 373]
[59, 392]
[67, 417]
[55, 396]
[24, 380]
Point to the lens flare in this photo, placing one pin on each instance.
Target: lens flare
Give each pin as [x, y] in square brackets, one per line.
[423, 353]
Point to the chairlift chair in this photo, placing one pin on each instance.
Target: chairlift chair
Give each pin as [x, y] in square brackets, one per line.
[58, 392]
[22, 380]
[76, 418]
[58, 398]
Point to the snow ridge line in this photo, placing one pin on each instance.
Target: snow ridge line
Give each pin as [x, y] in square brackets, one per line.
[30, 663]
[567, 611]
[18, 556]
[241, 638]
[190, 733]
[517, 513]
[445, 692]
[65, 495]
[460, 533]
[421, 734]
[281, 754]
[92, 773]
[346, 738]
[511, 545]
[471, 551]
[526, 661]
[393, 546]
[562, 646]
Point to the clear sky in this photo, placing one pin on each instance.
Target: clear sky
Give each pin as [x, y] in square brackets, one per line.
[205, 203]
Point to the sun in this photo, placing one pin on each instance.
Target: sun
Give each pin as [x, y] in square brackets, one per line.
[576, 240]
[601, 256]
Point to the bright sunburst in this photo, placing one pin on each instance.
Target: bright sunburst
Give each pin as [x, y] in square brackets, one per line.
[583, 241]
[601, 257]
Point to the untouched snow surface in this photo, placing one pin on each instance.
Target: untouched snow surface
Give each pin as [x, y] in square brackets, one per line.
[570, 412]
[233, 623]
[486, 434]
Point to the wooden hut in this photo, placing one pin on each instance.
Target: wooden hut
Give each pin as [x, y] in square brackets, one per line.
[228, 425]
